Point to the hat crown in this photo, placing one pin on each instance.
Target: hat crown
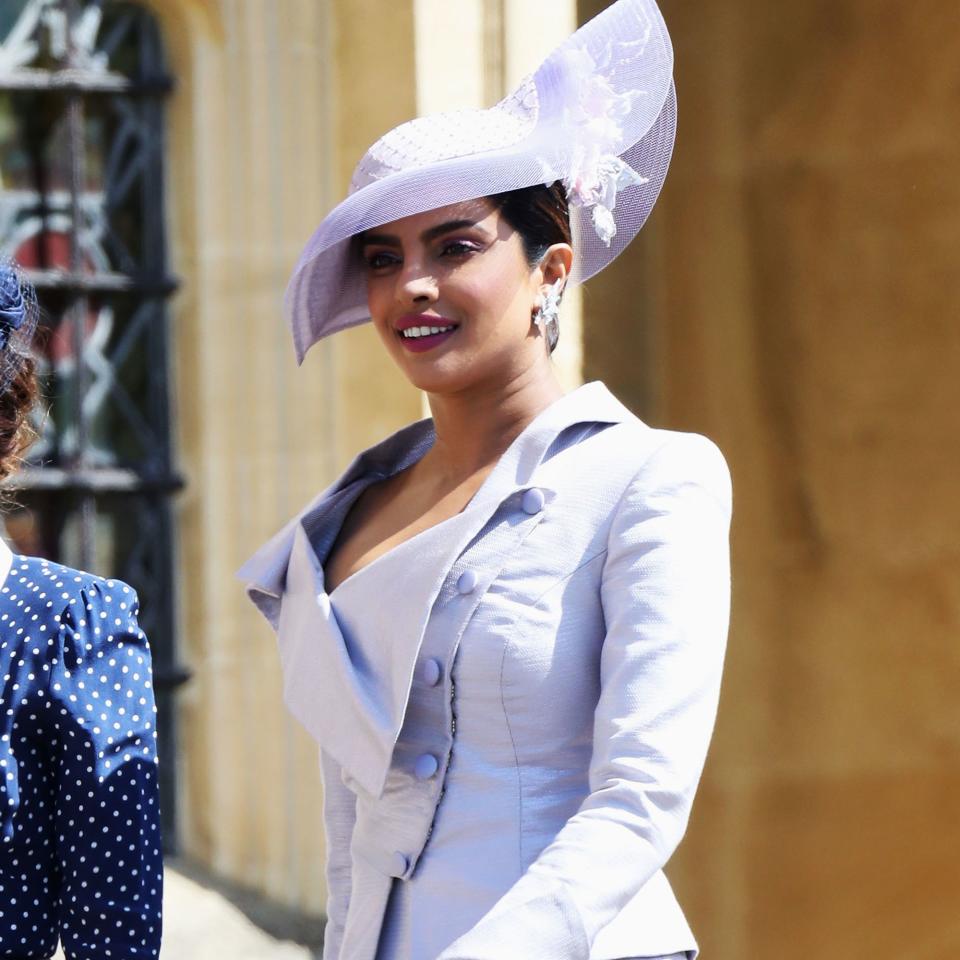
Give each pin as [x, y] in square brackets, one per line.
[447, 136]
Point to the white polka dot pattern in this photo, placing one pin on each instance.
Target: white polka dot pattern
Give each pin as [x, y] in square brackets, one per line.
[80, 853]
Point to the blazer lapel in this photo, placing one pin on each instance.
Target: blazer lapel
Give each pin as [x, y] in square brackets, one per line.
[329, 688]
[349, 684]
[392, 598]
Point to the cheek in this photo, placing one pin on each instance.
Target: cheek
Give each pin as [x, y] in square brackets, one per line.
[379, 300]
[511, 310]
[498, 294]
[378, 297]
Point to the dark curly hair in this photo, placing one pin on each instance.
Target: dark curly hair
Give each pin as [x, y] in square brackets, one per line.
[16, 402]
[541, 215]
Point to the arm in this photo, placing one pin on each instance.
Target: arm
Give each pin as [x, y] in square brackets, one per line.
[107, 805]
[665, 599]
[339, 816]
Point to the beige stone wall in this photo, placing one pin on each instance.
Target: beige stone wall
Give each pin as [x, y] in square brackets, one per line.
[275, 103]
[238, 213]
[797, 296]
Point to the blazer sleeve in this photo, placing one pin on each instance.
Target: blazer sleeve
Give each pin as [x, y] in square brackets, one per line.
[105, 789]
[339, 817]
[665, 594]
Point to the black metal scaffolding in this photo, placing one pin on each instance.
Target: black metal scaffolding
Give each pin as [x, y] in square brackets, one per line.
[82, 93]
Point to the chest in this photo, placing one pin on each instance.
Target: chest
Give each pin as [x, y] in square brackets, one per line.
[390, 513]
[534, 637]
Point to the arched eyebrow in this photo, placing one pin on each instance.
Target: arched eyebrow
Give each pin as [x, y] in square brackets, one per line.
[431, 233]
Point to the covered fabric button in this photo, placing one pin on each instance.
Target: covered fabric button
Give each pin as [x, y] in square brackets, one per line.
[426, 766]
[533, 500]
[398, 865]
[467, 581]
[432, 671]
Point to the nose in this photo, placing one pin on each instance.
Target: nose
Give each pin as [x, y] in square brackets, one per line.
[417, 285]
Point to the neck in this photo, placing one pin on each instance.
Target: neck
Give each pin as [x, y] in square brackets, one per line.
[475, 427]
[6, 560]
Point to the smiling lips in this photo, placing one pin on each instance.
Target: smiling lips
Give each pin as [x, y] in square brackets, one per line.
[421, 332]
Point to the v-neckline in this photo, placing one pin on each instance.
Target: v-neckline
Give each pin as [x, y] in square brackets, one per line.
[419, 535]
[390, 554]
[377, 478]
[476, 500]
[265, 571]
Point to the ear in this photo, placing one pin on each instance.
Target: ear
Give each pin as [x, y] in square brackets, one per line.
[556, 264]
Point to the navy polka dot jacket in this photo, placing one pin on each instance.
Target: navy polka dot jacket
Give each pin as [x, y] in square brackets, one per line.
[80, 857]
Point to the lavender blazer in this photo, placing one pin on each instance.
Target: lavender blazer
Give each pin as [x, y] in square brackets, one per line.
[514, 707]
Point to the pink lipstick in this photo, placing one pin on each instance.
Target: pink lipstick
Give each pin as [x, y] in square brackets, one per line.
[420, 332]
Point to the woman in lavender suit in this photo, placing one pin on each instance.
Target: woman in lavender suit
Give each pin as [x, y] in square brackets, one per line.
[505, 624]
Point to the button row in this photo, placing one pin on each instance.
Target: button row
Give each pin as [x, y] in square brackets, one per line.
[431, 672]
[467, 581]
[425, 766]
[533, 500]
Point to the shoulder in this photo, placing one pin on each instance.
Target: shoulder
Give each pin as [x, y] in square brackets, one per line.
[681, 489]
[641, 448]
[684, 457]
[52, 614]
[52, 592]
[59, 582]
[632, 456]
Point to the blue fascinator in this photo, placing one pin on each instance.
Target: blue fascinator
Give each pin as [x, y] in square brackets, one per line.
[18, 320]
[13, 305]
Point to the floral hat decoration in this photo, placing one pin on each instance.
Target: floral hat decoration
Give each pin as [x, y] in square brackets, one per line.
[599, 115]
[18, 320]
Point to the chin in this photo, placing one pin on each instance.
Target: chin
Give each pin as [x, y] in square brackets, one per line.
[446, 374]
[437, 380]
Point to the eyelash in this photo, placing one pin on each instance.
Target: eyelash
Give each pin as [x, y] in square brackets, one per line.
[373, 258]
[456, 249]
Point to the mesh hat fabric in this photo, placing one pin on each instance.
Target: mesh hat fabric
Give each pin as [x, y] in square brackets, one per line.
[599, 114]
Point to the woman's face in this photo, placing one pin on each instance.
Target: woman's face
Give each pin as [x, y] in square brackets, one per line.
[451, 294]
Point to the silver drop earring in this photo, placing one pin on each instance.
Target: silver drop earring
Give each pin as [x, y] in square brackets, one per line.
[547, 316]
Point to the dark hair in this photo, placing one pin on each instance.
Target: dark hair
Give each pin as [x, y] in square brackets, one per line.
[541, 215]
[16, 402]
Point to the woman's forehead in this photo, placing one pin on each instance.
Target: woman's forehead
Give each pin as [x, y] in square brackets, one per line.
[472, 211]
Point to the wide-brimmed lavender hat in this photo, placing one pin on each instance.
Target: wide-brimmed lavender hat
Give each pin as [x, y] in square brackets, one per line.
[599, 114]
